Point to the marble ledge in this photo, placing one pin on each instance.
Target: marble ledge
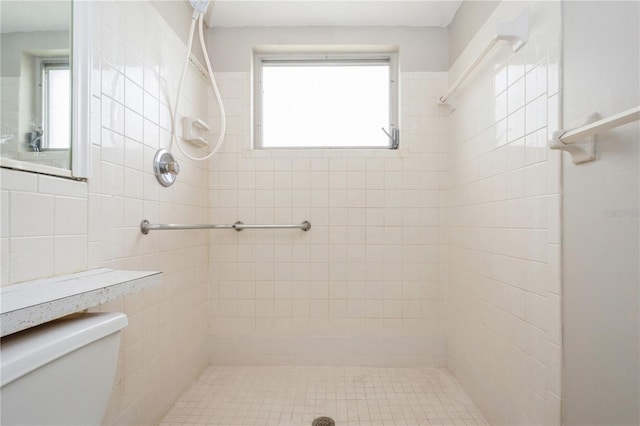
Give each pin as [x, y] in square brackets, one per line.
[33, 303]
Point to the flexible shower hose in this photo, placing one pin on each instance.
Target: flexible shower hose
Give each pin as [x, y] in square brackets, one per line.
[223, 121]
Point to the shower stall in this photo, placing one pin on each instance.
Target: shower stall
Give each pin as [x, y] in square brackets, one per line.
[466, 271]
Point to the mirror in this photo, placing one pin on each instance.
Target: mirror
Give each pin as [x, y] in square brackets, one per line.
[44, 65]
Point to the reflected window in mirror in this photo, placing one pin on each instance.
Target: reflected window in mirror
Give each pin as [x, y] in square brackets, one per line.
[56, 112]
[45, 96]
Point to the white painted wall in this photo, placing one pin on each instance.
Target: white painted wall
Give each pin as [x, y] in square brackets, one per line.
[421, 48]
[465, 24]
[601, 217]
[45, 43]
[178, 15]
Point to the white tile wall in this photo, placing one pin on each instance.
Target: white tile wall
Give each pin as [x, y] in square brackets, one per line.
[503, 323]
[372, 263]
[40, 215]
[54, 226]
[136, 70]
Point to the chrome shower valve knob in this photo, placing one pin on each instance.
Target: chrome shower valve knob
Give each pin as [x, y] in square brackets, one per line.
[170, 167]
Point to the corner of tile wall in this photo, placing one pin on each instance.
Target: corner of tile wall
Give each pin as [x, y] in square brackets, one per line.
[503, 215]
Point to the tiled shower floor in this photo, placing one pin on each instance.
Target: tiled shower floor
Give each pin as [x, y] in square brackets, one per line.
[372, 396]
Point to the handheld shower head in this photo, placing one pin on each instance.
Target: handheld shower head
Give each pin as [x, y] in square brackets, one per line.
[199, 6]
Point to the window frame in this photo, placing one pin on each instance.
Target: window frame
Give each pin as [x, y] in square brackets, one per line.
[44, 65]
[324, 58]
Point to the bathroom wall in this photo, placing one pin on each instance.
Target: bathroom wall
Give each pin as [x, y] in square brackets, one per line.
[178, 15]
[44, 226]
[503, 206]
[469, 18]
[421, 49]
[365, 286]
[52, 226]
[601, 218]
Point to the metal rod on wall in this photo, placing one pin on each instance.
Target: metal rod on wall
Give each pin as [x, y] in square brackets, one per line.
[145, 226]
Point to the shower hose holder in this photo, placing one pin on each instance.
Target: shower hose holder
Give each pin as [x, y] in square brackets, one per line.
[192, 129]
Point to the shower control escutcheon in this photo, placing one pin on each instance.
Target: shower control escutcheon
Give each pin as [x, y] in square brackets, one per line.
[165, 167]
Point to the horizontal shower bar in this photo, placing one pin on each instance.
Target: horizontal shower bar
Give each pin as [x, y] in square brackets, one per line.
[145, 226]
[465, 73]
[515, 32]
[580, 143]
[576, 135]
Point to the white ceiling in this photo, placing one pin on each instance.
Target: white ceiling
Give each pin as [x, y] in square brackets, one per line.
[287, 13]
[34, 16]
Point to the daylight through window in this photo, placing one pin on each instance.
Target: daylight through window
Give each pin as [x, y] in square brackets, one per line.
[57, 105]
[325, 102]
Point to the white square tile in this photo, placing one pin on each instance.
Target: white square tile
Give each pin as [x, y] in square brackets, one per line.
[151, 107]
[70, 217]
[70, 254]
[4, 214]
[134, 70]
[31, 214]
[22, 252]
[134, 96]
[58, 186]
[18, 181]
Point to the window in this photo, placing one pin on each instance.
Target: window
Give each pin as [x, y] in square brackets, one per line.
[325, 101]
[56, 105]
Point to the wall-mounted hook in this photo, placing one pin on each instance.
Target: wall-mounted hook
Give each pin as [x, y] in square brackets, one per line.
[394, 136]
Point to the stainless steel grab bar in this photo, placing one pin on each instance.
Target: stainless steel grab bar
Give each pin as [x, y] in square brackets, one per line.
[145, 226]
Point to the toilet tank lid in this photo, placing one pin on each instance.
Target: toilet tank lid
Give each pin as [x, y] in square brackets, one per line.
[23, 352]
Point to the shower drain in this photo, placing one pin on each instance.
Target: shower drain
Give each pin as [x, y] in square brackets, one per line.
[323, 421]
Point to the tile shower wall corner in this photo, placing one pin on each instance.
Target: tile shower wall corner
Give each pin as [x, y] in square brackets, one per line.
[137, 64]
[53, 226]
[370, 275]
[503, 313]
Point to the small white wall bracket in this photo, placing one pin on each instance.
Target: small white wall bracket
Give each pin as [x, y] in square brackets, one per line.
[192, 128]
[515, 32]
[450, 103]
[581, 151]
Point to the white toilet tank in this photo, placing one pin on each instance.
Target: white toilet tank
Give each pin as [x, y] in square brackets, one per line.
[60, 373]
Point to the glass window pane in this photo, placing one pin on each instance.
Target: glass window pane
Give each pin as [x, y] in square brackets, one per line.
[325, 106]
[59, 109]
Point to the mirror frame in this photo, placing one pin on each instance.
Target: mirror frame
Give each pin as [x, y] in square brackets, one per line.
[82, 58]
[81, 64]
